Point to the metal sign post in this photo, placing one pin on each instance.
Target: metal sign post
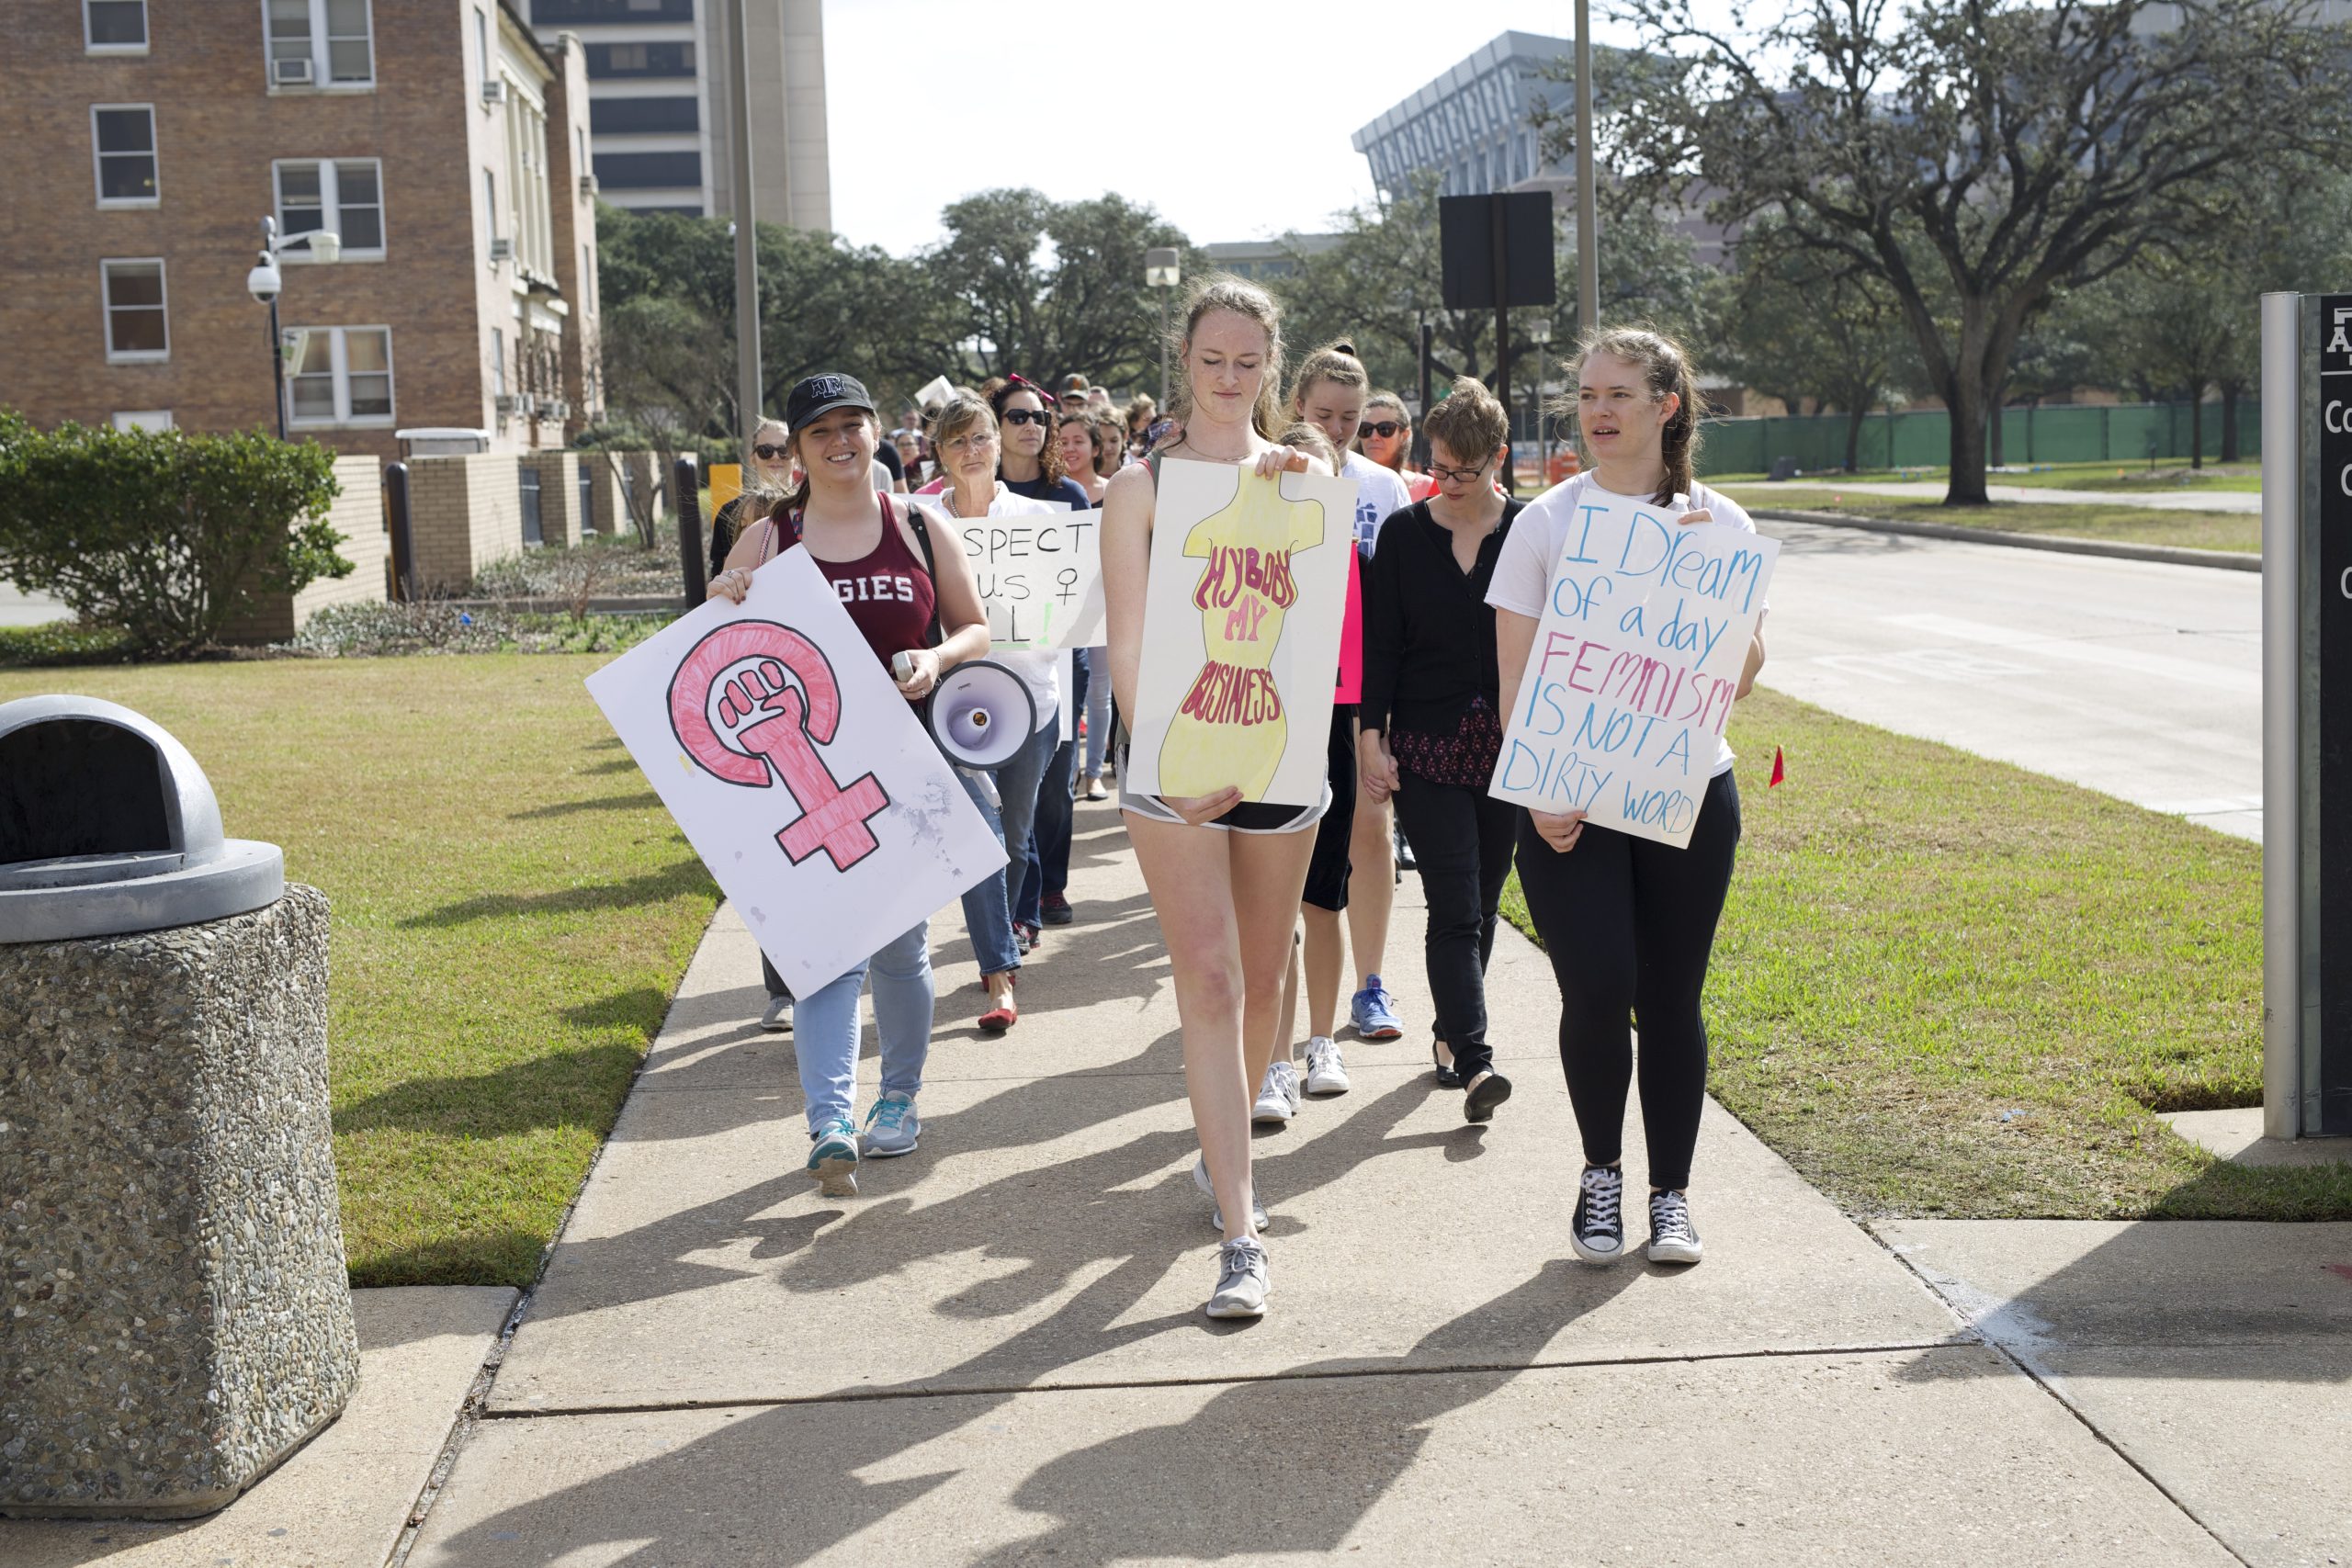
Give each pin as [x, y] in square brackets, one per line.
[2307, 716]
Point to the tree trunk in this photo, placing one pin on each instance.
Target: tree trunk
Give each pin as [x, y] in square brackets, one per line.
[1854, 418]
[2197, 425]
[1967, 405]
[2230, 391]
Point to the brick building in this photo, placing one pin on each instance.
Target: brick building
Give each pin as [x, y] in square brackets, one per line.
[440, 139]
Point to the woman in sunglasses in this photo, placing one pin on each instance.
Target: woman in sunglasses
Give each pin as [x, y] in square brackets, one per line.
[1386, 436]
[1433, 724]
[765, 476]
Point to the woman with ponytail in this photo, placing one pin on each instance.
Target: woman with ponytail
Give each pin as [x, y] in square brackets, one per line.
[1629, 923]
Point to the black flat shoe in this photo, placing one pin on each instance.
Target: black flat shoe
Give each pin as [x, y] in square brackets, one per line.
[1479, 1104]
[1446, 1077]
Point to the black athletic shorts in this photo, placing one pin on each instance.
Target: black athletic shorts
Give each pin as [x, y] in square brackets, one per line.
[1327, 873]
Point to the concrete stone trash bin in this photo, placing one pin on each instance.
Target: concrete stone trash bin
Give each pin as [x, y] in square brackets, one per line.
[174, 1315]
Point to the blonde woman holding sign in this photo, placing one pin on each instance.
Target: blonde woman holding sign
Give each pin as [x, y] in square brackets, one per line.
[1628, 923]
[1225, 877]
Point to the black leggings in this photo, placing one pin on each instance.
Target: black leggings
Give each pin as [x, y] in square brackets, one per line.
[1628, 924]
[1462, 839]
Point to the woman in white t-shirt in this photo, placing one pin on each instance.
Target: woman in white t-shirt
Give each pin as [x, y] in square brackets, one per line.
[1628, 923]
[964, 433]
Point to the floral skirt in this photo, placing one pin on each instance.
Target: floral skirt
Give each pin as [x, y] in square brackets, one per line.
[1465, 758]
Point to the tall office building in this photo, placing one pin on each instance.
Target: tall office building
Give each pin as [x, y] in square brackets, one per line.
[658, 104]
[1471, 125]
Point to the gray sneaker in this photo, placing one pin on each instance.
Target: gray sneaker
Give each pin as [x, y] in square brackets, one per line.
[891, 1127]
[1216, 1215]
[777, 1020]
[832, 1158]
[1277, 1097]
[1241, 1281]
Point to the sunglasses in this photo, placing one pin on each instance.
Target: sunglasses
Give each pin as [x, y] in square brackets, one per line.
[1384, 428]
[767, 453]
[1027, 416]
[1456, 476]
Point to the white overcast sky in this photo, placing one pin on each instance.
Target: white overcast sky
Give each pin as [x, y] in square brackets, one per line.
[929, 100]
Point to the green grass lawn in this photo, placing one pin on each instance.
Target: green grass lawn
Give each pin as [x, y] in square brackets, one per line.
[2133, 525]
[2171, 475]
[513, 909]
[1944, 986]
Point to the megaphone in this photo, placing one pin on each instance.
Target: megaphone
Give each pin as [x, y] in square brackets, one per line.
[981, 715]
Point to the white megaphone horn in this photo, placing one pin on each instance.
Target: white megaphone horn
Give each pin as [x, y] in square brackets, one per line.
[981, 715]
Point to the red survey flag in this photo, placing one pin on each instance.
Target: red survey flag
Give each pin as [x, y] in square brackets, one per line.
[1780, 767]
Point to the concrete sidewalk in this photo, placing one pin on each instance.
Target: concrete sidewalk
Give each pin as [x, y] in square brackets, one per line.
[996, 1354]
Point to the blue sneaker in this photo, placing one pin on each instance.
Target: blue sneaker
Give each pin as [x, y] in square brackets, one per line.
[832, 1158]
[1373, 1013]
[891, 1127]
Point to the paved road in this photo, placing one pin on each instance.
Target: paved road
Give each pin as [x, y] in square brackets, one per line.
[18, 608]
[1935, 489]
[2138, 679]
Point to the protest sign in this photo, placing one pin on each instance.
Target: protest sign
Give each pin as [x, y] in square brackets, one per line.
[798, 774]
[726, 484]
[1240, 633]
[1039, 566]
[1351, 638]
[1638, 654]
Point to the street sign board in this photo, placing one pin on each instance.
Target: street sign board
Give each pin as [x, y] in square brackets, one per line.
[2326, 702]
[1474, 229]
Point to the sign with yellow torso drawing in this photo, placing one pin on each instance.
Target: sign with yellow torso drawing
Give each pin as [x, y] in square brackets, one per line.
[1242, 633]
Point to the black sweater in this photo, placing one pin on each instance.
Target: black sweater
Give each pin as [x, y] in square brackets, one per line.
[1428, 633]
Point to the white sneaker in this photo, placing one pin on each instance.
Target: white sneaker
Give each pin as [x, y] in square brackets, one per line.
[1216, 1215]
[1242, 1285]
[1277, 1097]
[1326, 1073]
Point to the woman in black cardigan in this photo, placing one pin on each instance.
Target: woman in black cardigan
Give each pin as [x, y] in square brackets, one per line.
[1432, 725]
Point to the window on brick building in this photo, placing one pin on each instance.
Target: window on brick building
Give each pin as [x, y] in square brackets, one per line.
[133, 292]
[144, 419]
[343, 376]
[113, 26]
[343, 196]
[315, 43]
[123, 137]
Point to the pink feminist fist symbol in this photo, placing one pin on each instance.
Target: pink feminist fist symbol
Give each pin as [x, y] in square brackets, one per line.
[768, 723]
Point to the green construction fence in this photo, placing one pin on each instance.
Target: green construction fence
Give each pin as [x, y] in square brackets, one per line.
[2122, 433]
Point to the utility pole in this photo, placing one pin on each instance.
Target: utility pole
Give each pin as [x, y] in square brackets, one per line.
[1587, 208]
[747, 252]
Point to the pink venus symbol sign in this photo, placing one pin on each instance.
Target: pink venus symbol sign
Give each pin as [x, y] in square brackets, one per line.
[752, 704]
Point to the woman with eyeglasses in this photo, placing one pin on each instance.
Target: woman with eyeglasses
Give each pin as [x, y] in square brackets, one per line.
[1386, 436]
[1224, 876]
[857, 535]
[1432, 718]
[966, 433]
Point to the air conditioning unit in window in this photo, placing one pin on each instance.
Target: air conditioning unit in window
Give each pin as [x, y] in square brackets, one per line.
[290, 73]
[495, 92]
[557, 409]
[504, 403]
[502, 250]
[530, 406]
[587, 185]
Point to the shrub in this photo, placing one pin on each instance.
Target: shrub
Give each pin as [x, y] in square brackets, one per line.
[164, 535]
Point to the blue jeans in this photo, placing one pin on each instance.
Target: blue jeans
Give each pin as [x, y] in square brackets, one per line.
[1094, 679]
[825, 1027]
[988, 904]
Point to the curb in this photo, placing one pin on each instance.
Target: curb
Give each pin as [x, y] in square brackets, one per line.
[2171, 554]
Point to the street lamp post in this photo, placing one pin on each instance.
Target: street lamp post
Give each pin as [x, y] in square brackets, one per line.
[1539, 333]
[1160, 271]
[264, 282]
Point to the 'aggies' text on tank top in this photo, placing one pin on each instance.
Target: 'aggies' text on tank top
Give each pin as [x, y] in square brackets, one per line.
[887, 592]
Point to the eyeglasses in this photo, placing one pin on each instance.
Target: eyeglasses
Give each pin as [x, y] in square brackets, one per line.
[1027, 416]
[1384, 428]
[767, 453]
[1457, 475]
[976, 441]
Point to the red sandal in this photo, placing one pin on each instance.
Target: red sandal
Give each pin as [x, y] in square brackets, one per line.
[1006, 1014]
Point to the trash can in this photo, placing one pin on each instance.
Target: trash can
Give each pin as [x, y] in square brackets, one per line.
[175, 1315]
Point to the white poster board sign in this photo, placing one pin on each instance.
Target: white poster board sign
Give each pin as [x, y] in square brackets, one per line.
[1636, 659]
[1039, 566]
[802, 778]
[1242, 633]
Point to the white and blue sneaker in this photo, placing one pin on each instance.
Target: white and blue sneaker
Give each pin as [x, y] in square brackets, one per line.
[832, 1158]
[891, 1127]
[1374, 1012]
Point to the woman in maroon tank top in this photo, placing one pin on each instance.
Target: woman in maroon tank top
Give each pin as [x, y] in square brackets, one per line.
[864, 544]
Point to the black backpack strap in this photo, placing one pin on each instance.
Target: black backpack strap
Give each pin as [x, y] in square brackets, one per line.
[936, 634]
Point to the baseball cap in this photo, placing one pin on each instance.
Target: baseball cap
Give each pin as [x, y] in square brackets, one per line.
[818, 395]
